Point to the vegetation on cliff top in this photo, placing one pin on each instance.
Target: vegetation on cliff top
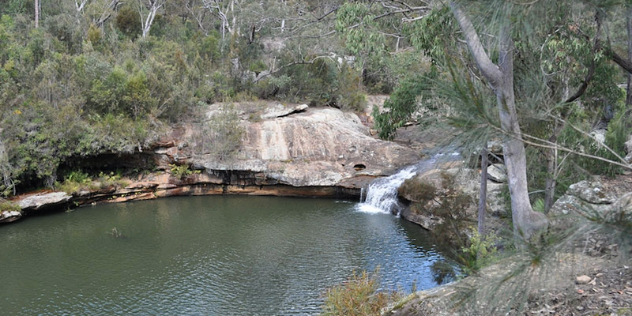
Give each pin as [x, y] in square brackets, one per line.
[84, 78]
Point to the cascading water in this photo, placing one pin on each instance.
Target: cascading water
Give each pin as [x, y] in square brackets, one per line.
[381, 195]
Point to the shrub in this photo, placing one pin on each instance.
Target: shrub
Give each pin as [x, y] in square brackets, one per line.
[349, 90]
[222, 136]
[480, 252]
[94, 35]
[357, 296]
[182, 171]
[9, 206]
[75, 181]
[128, 22]
[111, 179]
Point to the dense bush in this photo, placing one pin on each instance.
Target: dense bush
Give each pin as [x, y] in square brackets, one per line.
[358, 296]
[128, 22]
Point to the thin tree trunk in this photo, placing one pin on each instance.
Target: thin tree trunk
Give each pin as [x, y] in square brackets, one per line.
[525, 221]
[37, 14]
[482, 199]
[628, 98]
[551, 179]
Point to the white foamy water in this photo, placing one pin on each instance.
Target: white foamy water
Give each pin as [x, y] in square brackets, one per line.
[381, 195]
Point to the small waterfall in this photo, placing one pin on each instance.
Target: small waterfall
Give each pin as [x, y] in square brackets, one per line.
[381, 195]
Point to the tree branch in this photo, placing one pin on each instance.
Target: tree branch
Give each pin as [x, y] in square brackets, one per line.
[591, 70]
[490, 70]
[624, 63]
[549, 145]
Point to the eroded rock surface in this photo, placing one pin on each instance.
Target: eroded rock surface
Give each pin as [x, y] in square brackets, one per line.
[449, 185]
[10, 216]
[590, 200]
[310, 147]
[38, 201]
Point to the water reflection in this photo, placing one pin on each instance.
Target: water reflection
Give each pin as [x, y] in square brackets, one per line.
[222, 255]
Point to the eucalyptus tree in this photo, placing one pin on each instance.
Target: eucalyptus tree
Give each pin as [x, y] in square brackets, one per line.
[37, 13]
[148, 10]
[498, 75]
[560, 60]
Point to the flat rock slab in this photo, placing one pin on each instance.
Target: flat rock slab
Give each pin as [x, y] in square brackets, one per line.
[9, 216]
[39, 201]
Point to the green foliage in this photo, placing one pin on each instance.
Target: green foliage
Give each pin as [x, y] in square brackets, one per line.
[137, 99]
[107, 180]
[574, 135]
[106, 96]
[349, 90]
[75, 181]
[128, 22]
[538, 205]
[222, 136]
[94, 35]
[15, 7]
[358, 296]
[480, 252]
[257, 67]
[434, 34]
[182, 171]
[401, 105]
[359, 40]
[9, 206]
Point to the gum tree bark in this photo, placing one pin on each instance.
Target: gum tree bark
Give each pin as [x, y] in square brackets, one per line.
[500, 77]
[37, 14]
[152, 7]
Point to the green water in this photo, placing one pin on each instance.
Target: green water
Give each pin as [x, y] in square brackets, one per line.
[215, 255]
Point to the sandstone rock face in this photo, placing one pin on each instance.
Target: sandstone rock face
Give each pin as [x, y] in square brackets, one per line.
[592, 192]
[449, 181]
[582, 197]
[39, 201]
[285, 151]
[589, 199]
[316, 147]
[280, 111]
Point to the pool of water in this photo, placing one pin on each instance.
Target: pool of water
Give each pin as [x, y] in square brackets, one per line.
[213, 255]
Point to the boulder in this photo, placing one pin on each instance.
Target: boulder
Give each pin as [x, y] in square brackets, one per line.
[430, 191]
[9, 216]
[495, 199]
[587, 199]
[497, 173]
[592, 192]
[44, 200]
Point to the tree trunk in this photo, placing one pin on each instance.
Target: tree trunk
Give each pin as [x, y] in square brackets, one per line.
[628, 98]
[526, 222]
[37, 14]
[551, 179]
[482, 198]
